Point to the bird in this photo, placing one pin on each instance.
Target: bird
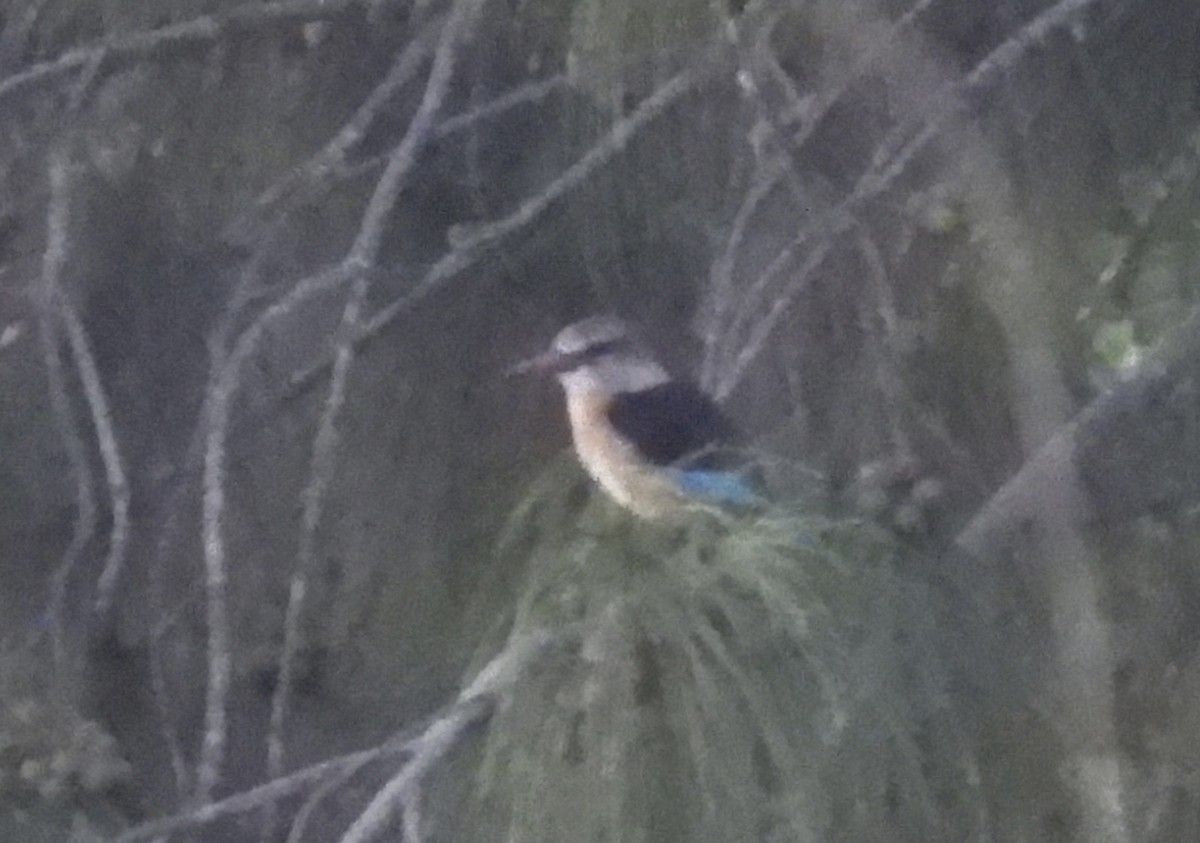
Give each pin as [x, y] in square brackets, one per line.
[656, 444]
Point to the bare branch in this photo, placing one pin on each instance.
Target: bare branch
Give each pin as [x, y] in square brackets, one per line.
[436, 735]
[887, 356]
[247, 291]
[201, 30]
[93, 389]
[50, 294]
[902, 144]
[722, 289]
[411, 805]
[14, 35]
[332, 157]
[320, 477]
[427, 750]
[218, 408]
[472, 242]
[798, 281]
[360, 258]
[1048, 473]
[890, 161]
[215, 418]
[328, 168]
[370, 234]
[444, 734]
[118, 485]
[301, 818]
[522, 95]
[809, 112]
[363, 253]
[254, 799]
[475, 240]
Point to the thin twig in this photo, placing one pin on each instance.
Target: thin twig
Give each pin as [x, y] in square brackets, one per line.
[722, 343]
[721, 287]
[321, 476]
[220, 661]
[762, 329]
[14, 35]
[475, 703]
[201, 30]
[359, 260]
[476, 241]
[216, 414]
[411, 807]
[325, 170]
[522, 95]
[87, 78]
[171, 528]
[901, 145]
[302, 817]
[247, 290]
[251, 800]
[370, 234]
[332, 157]
[49, 295]
[890, 161]
[363, 252]
[93, 388]
[886, 354]
[114, 469]
[212, 435]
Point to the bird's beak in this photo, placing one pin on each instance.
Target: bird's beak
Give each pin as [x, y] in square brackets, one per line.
[546, 363]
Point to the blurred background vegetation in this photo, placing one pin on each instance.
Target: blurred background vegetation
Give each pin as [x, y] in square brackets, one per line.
[263, 264]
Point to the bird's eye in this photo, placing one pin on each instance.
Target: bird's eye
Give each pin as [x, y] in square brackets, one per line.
[602, 348]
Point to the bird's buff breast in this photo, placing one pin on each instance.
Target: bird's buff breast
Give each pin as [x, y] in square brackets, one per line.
[615, 464]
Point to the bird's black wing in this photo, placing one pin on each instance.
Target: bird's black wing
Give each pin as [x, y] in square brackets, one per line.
[671, 421]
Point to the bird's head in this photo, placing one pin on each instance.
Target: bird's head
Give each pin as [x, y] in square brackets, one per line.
[598, 354]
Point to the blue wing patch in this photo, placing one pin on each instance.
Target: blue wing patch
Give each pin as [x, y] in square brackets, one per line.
[723, 487]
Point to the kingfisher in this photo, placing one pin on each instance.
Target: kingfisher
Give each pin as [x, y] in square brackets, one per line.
[655, 444]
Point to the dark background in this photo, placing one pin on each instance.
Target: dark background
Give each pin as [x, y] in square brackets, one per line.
[940, 256]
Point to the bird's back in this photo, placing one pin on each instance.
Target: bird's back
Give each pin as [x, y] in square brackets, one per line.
[673, 423]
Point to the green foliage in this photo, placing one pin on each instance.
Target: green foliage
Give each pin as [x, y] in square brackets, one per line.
[1115, 344]
[757, 679]
[48, 749]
